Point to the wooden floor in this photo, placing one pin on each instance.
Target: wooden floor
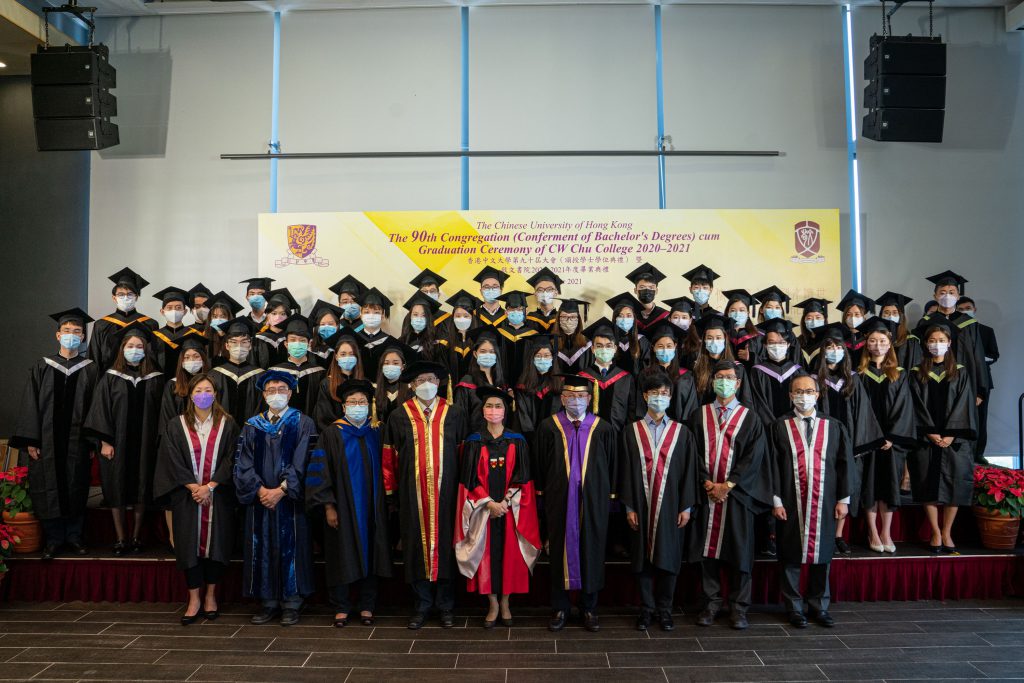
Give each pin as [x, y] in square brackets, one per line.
[871, 641]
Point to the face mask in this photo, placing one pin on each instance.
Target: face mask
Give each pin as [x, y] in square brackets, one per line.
[297, 349]
[418, 323]
[738, 317]
[835, 355]
[201, 314]
[604, 355]
[777, 352]
[658, 404]
[391, 372]
[71, 342]
[665, 355]
[238, 355]
[576, 407]
[624, 324]
[174, 317]
[545, 298]
[568, 326]
[969, 314]
[494, 416]
[277, 402]
[426, 391]
[126, 303]
[715, 346]
[682, 323]
[372, 320]
[217, 322]
[134, 356]
[646, 296]
[191, 366]
[326, 331]
[854, 321]
[804, 403]
[203, 401]
[724, 388]
[543, 364]
[701, 296]
[357, 414]
[436, 296]
[938, 348]
[486, 360]
[350, 311]
[516, 317]
[772, 313]
[814, 323]
[276, 319]
[462, 324]
[491, 294]
[947, 300]
[346, 363]
[257, 301]
[880, 351]
[891, 318]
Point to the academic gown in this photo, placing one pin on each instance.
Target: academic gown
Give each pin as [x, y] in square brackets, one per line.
[810, 477]
[269, 348]
[278, 562]
[327, 409]
[944, 407]
[893, 407]
[346, 472]
[497, 555]
[425, 490]
[753, 342]
[684, 395]
[308, 373]
[391, 395]
[612, 394]
[810, 349]
[459, 354]
[855, 348]
[465, 397]
[371, 343]
[969, 349]
[657, 482]
[104, 340]
[166, 346]
[736, 452]
[624, 359]
[492, 319]
[235, 386]
[909, 354]
[545, 322]
[649, 321]
[768, 385]
[532, 408]
[171, 405]
[125, 413]
[53, 408]
[574, 360]
[513, 345]
[183, 458]
[576, 507]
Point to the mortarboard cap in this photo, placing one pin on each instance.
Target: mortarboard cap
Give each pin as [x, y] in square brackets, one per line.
[427, 277]
[545, 274]
[645, 272]
[701, 274]
[126, 277]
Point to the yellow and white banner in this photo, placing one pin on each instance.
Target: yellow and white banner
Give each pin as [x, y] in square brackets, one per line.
[592, 250]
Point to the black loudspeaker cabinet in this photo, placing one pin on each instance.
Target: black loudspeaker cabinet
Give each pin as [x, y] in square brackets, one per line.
[70, 65]
[904, 125]
[918, 55]
[69, 134]
[918, 92]
[72, 101]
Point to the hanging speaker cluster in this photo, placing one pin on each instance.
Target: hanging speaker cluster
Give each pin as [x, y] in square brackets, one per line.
[71, 99]
[906, 91]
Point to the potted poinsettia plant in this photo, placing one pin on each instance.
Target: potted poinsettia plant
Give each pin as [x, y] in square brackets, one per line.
[998, 505]
[8, 540]
[17, 506]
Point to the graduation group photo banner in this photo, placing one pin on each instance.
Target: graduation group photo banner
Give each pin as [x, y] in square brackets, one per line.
[591, 250]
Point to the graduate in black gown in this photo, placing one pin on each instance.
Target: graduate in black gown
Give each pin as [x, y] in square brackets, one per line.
[769, 377]
[50, 434]
[345, 480]
[325, 319]
[128, 286]
[346, 364]
[702, 284]
[453, 334]
[538, 391]
[855, 309]
[813, 319]
[969, 307]
[491, 312]
[645, 279]
[235, 377]
[485, 370]
[389, 391]
[269, 346]
[888, 389]
[714, 347]
[744, 337]
[773, 304]
[256, 295]
[547, 287]
[514, 334]
[192, 360]
[270, 476]
[665, 357]
[223, 310]
[168, 340]
[633, 347]
[942, 464]
[658, 487]
[302, 364]
[194, 473]
[374, 314]
[892, 307]
[576, 469]
[613, 392]
[419, 332]
[124, 417]
[681, 315]
[573, 347]
[350, 292]
[199, 303]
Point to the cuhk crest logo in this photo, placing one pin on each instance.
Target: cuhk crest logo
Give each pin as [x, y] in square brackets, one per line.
[302, 248]
[807, 240]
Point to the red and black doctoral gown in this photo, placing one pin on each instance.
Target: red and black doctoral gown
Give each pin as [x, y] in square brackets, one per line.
[684, 401]
[735, 452]
[893, 406]
[105, 338]
[513, 345]
[612, 394]
[53, 408]
[125, 413]
[421, 473]
[810, 476]
[235, 386]
[658, 481]
[768, 388]
[345, 471]
[186, 458]
[576, 472]
[649, 321]
[945, 407]
[166, 346]
[307, 374]
[497, 555]
[545, 322]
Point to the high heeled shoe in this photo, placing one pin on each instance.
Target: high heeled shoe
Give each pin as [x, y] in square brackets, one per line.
[189, 620]
[880, 548]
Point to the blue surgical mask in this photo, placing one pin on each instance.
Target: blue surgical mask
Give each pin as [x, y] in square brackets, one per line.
[701, 296]
[772, 313]
[346, 363]
[418, 323]
[715, 346]
[327, 331]
[71, 342]
[391, 372]
[577, 407]
[891, 318]
[835, 355]
[357, 414]
[486, 360]
[543, 364]
[297, 349]
[351, 311]
[969, 314]
[624, 324]
[372, 320]
[738, 317]
[215, 323]
[657, 403]
[517, 318]
[134, 356]
[814, 323]
[462, 324]
[257, 301]
[665, 355]
[491, 294]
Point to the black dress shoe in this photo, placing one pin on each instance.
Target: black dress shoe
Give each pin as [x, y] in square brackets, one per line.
[590, 622]
[557, 622]
[120, 548]
[643, 622]
[367, 620]
[50, 551]
[340, 622]
[665, 621]
[136, 545]
[417, 621]
[770, 548]
[265, 616]
[490, 623]
[506, 622]
[447, 618]
[77, 548]
[189, 620]
[706, 617]
[842, 547]
[289, 617]
[739, 622]
[797, 619]
[825, 619]
[210, 614]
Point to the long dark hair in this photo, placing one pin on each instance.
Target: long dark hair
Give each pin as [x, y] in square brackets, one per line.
[335, 377]
[632, 335]
[121, 365]
[704, 366]
[532, 381]
[217, 410]
[181, 376]
[928, 362]
[748, 327]
[576, 340]
[380, 396]
[842, 367]
[425, 339]
[890, 364]
[477, 373]
[316, 343]
[215, 336]
[673, 366]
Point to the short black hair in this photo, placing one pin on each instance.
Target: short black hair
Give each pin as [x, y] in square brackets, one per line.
[802, 374]
[656, 379]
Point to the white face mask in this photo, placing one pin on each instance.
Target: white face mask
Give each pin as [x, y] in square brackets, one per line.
[426, 391]
[682, 323]
[545, 298]
[804, 403]
[192, 366]
[938, 348]
[277, 402]
[947, 300]
[891, 318]
[174, 317]
[126, 303]
[814, 323]
[854, 321]
[372, 320]
[201, 314]
[238, 355]
[462, 324]
[777, 352]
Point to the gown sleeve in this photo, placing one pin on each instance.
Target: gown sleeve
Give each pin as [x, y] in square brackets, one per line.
[99, 421]
[247, 480]
[172, 468]
[320, 474]
[294, 473]
[28, 431]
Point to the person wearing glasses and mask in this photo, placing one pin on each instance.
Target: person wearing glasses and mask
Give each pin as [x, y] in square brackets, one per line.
[547, 287]
[235, 379]
[103, 346]
[491, 281]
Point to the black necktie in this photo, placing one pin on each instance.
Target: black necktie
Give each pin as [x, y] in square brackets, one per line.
[808, 429]
[274, 419]
[576, 424]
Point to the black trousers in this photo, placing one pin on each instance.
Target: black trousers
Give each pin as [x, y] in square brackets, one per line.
[207, 571]
[982, 442]
[61, 530]
[740, 586]
[439, 594]
[818, 596]
[657, 589]
[561, 602]
[366, 588]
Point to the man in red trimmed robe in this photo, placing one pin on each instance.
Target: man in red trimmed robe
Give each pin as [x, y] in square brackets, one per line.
[421, 477]
[736, 477]
[813, 461]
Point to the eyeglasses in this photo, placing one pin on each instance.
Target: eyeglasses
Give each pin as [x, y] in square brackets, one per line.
[548, 290]
[805, 392]
[661, 392]
[275, 392]
[357, 403]
[422, 380]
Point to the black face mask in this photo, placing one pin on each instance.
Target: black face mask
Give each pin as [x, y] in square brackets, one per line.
[646, 296]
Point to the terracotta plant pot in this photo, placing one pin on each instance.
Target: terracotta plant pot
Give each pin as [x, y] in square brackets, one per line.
[28, 529]
[997, 532]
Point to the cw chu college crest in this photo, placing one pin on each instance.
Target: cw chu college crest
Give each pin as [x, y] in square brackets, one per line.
[807, 240]
[302, 248]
